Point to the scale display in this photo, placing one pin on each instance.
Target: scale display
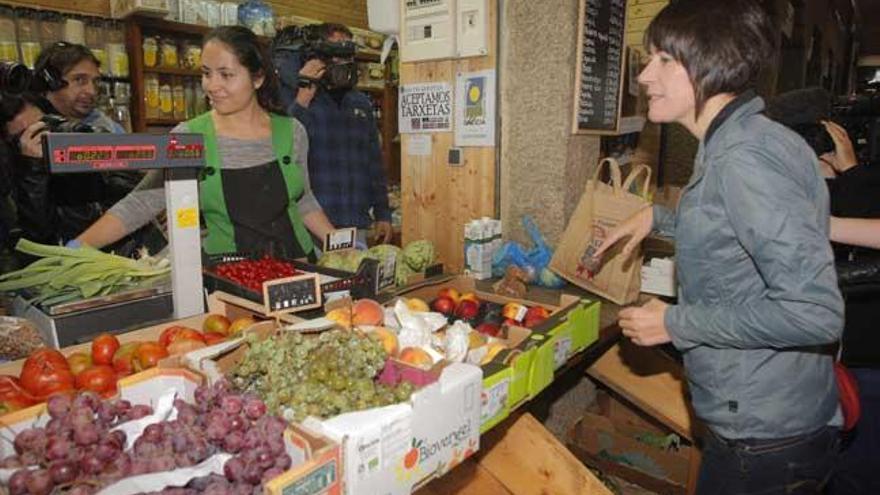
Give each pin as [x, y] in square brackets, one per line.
[136, 153]
[192, 151]
[87, 152]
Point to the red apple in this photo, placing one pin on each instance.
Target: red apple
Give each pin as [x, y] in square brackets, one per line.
[444, 305]
[531, 321]
[510, 322]
[538, 311]
[467, 309]
[488, 328]
[451, 293]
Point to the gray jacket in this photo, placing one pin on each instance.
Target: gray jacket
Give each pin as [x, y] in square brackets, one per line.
[758, 301]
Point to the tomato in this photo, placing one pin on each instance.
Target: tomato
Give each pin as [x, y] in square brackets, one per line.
[175, 332]
[182, 346]
[100, 378]
[125, 360]
[216, 323]
[79, 362]
[45, 372]
[103, 348]
[212, 338]
[13, 396]
[149, 353]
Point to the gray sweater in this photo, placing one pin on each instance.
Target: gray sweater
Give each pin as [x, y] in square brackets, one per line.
[147, 200]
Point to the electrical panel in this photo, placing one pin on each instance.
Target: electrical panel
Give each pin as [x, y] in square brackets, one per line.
[472, 27]
[428, 30]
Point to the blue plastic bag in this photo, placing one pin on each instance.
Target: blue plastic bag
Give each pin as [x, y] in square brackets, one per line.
[534, 261]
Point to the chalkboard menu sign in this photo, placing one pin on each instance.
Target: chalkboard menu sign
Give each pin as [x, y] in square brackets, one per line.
[599, 74]
[291, 294]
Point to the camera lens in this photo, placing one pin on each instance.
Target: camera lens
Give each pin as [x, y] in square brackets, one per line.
[14, 77]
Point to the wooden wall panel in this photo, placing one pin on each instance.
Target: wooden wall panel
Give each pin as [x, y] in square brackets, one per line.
[437, 199]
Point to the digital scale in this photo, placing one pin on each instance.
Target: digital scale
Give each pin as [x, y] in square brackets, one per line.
[181, 156]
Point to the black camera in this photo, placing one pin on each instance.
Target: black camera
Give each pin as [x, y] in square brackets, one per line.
[294, 46]
[15, 78]
[57, 123]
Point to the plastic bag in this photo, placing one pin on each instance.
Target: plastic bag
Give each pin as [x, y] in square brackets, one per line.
[534, 261]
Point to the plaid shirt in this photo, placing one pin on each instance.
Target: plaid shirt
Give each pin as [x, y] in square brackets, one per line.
[345, 160]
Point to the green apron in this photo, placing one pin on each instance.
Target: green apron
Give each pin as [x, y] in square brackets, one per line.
[221, 232]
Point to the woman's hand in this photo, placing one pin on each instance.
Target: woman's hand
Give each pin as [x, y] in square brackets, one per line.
[636, 227]
[844, 156]
[31, 141]
[645, 325]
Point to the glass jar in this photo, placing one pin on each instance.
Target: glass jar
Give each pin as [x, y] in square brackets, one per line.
[116, 53]
[201, 101]
[51, 28]
[151, 96]
[258, 17]
[192, 56]
[75, 30]
[29, 38]
[178, 97]
[8, 39]
[151, 51]
[168, 47]
[96, 43]
[212, 13]
[166, 100]
[189, 96]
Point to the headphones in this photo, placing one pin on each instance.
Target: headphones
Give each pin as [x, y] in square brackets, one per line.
[46, 74]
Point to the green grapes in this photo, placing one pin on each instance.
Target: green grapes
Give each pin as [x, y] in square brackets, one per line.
[333, 373]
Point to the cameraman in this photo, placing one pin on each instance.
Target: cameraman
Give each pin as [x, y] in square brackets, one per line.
[50, 209]
[345, 159]
[67, 74]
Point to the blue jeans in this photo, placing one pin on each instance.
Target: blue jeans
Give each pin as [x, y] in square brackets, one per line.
[795, 465]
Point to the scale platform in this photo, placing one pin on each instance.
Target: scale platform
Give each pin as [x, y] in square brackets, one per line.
[80, 321]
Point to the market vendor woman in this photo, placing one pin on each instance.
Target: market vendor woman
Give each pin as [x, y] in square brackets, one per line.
[254, 193]
[758, 305]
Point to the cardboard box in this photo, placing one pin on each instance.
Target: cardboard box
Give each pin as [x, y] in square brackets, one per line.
[621, 442]
[396, 448]
[316, 459]
[520, 375]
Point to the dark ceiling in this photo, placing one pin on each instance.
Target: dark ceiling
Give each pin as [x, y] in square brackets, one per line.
[869, 39]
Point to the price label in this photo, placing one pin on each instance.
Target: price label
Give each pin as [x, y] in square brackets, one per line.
[561, 350]
[494, 399]
[291, 294]
[340, 240]
[386, 275]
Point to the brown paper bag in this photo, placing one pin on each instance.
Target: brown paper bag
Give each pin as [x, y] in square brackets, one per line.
[601, 208]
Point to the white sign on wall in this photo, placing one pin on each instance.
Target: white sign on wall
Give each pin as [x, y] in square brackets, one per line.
[475, 108]
[425, 107]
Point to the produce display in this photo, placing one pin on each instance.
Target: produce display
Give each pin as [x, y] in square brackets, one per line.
[414, 258]
[252, 273]
[65, 274]
[333, 373]
[81, 450]
[48, 371]
[486, 316]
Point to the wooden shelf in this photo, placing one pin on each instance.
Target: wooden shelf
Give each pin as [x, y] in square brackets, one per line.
[163, 122]
[173, 71]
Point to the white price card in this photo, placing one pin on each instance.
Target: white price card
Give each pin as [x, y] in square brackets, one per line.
[494, 399]
[561, 350]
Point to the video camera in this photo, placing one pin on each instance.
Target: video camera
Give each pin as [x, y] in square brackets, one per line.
[294, 46]
[57, 123]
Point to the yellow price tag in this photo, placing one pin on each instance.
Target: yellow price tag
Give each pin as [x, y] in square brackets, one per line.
[187, 218]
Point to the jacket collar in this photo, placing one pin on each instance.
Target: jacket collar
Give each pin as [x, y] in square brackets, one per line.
[744, 105]
[727, 112]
